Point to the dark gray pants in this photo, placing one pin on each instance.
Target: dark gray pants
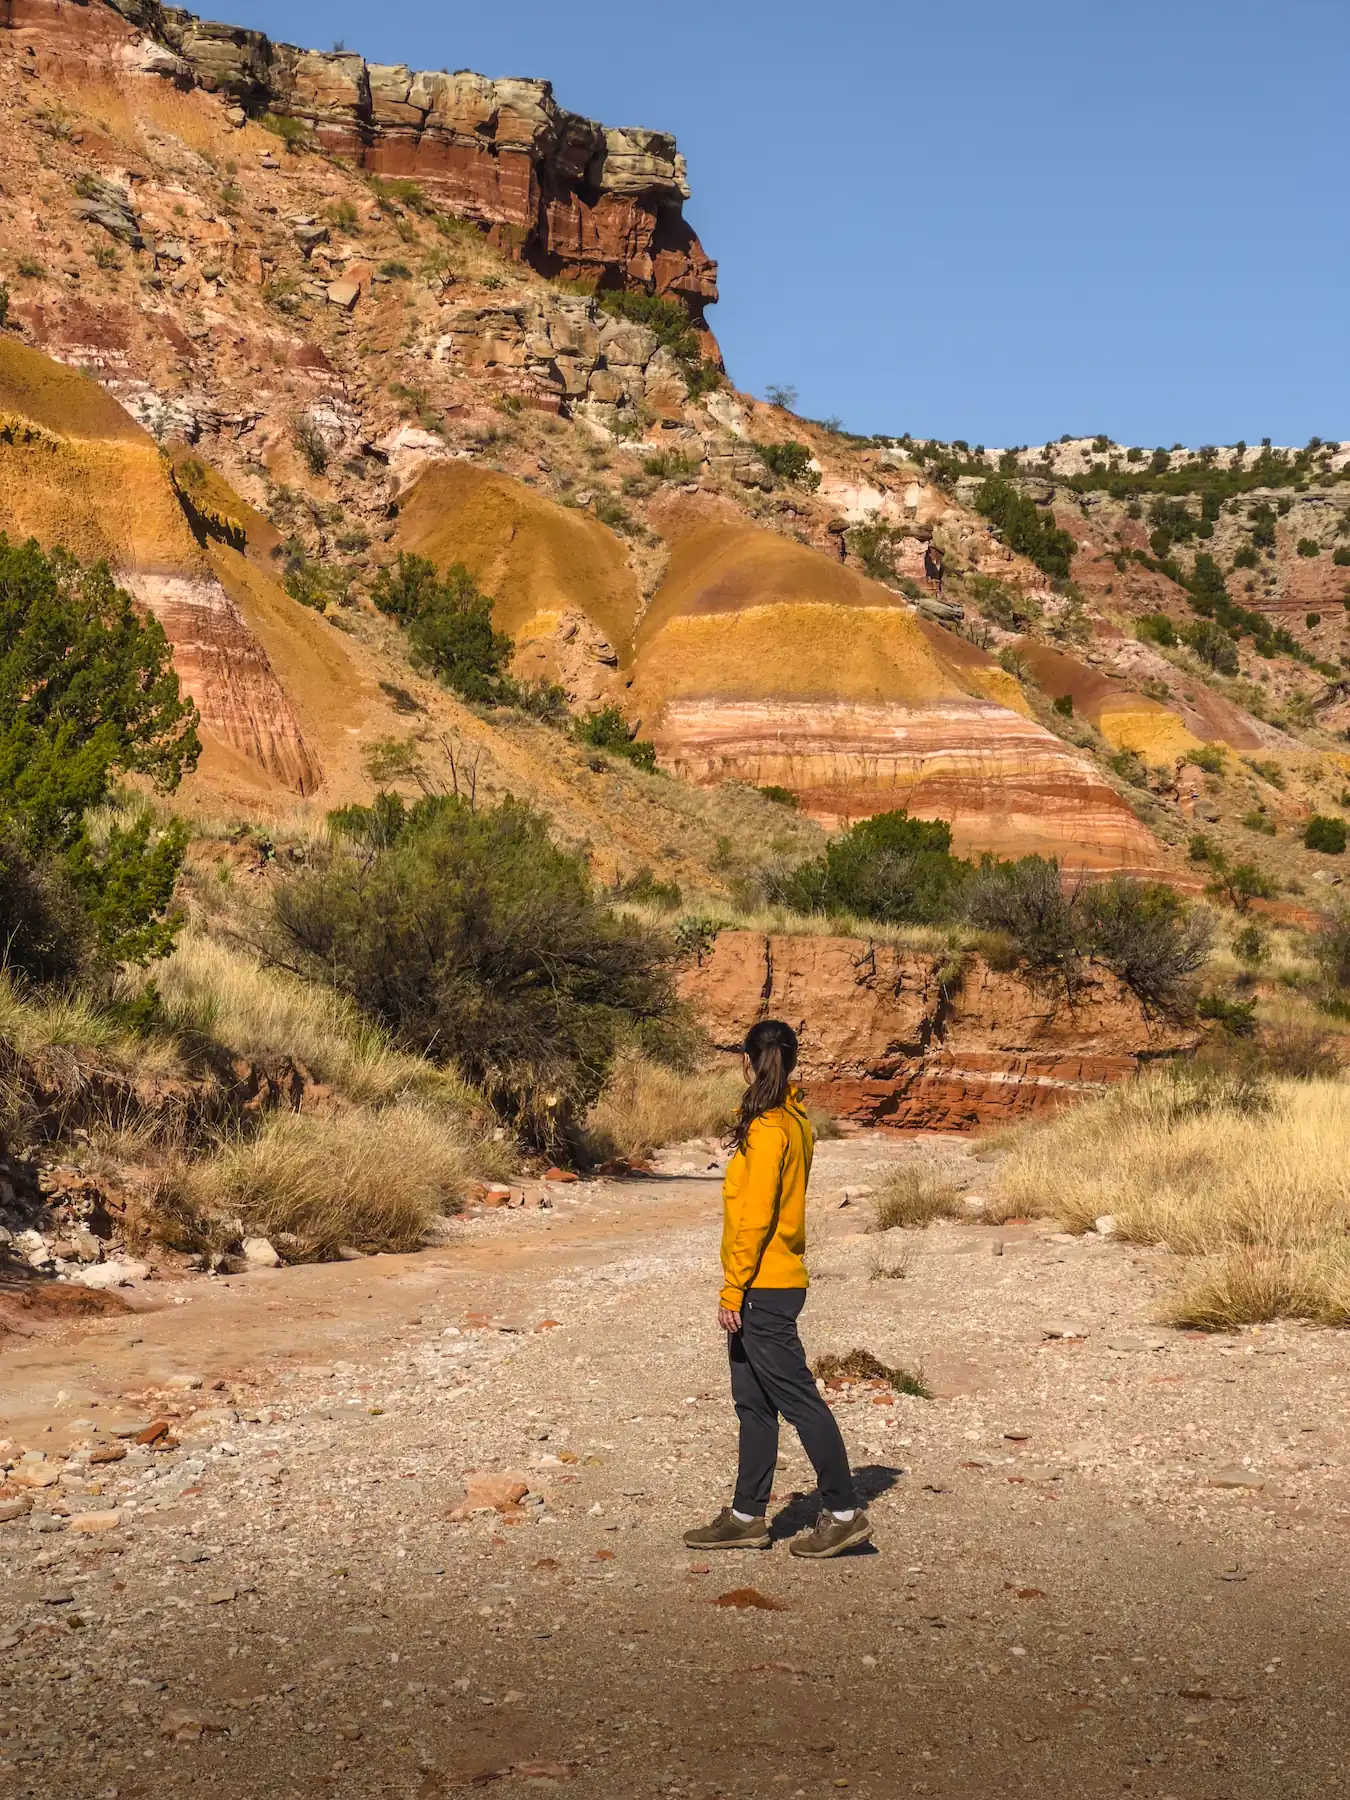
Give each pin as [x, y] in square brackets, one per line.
[769, 1377]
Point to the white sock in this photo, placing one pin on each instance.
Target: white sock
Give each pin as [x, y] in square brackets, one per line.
[844, 1517]
[749, 1518]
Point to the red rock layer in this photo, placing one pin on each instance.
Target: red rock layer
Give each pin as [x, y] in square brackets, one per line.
[225, 669]
[898, 1038]
[571, 197]
[1004, 783]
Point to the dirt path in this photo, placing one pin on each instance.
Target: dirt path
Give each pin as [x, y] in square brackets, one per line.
[1060, 1603]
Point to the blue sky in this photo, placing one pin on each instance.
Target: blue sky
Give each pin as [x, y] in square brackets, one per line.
[983, 221]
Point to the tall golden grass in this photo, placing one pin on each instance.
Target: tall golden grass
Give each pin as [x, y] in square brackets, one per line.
[225, 994]
[645, 1105]
[1247, 1175]
[315, 1185]
[914, 1195]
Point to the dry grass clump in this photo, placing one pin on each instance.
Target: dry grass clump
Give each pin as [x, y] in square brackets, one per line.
[226, 995]
[861, 1365]
[1244, 1171]
[645, 1105]
[914, 1196]
[372, 1181]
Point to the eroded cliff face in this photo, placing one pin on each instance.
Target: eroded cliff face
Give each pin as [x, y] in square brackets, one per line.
[77, 470]
[572, 197]
[919, 1041]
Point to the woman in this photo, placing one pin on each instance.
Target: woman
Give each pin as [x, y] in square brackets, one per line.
[764, 1288]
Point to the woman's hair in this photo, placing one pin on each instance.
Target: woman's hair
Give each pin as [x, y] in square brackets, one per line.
[772, 1049]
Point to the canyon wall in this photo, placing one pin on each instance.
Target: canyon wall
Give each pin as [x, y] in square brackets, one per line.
[920, 1040]
[573, 198]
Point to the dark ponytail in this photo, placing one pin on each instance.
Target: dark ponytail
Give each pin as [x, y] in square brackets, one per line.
[772, 1049]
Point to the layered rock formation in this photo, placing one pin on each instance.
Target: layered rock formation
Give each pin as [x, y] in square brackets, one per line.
[572, 197]
[76, 470]
[906, 1039]
[762, 661]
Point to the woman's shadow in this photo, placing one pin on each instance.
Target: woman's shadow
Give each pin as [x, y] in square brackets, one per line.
[872, 1480]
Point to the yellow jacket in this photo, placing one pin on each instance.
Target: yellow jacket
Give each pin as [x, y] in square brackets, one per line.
[764, 1204]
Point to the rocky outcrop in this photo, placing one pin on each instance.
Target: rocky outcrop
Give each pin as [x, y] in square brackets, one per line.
[924, 1041]
[572, 197]
[568, 355]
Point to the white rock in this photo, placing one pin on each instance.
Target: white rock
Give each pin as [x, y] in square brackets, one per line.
[259, 1254]
[113, 1274]
[1105, 1226]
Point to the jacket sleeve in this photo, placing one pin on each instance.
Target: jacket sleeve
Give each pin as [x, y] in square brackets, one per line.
[761, 1188]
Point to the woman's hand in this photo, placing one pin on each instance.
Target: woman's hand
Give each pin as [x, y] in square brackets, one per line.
[728, 1320]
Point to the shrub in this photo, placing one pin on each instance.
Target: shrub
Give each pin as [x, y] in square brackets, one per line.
[1237, 1017]
[1026, 901]
[540, 699]
[1247, 557]
[1146, 934]
[4, 306]
[1309, 547]
[311, 444]
[1024, 528]
[43, 928]
[889, 867]
[1256, 819]
[1000, 601]
[473, 939]
[1325, 834]
[874, 546]
[87, 692]
[1064, 706]
[449, 625]
[294, 133]
[1211, 758]
[790, 462]
[1250, 946]
[673, 328]
[781, 796]
[1156, 628]
[670, 465]
[1331, 947]
[1341, 557]
[606, 728]
[1213, 645]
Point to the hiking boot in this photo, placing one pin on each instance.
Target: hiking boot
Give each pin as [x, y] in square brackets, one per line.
[727, 1532]
[831, 1536]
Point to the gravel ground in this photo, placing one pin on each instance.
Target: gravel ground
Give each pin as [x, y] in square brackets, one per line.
[1107, 1562]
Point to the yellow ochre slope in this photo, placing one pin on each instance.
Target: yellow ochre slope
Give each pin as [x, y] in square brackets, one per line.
[538, 560]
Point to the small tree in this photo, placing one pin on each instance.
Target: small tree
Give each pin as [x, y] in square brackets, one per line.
[1237, 883]
[88, 692]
